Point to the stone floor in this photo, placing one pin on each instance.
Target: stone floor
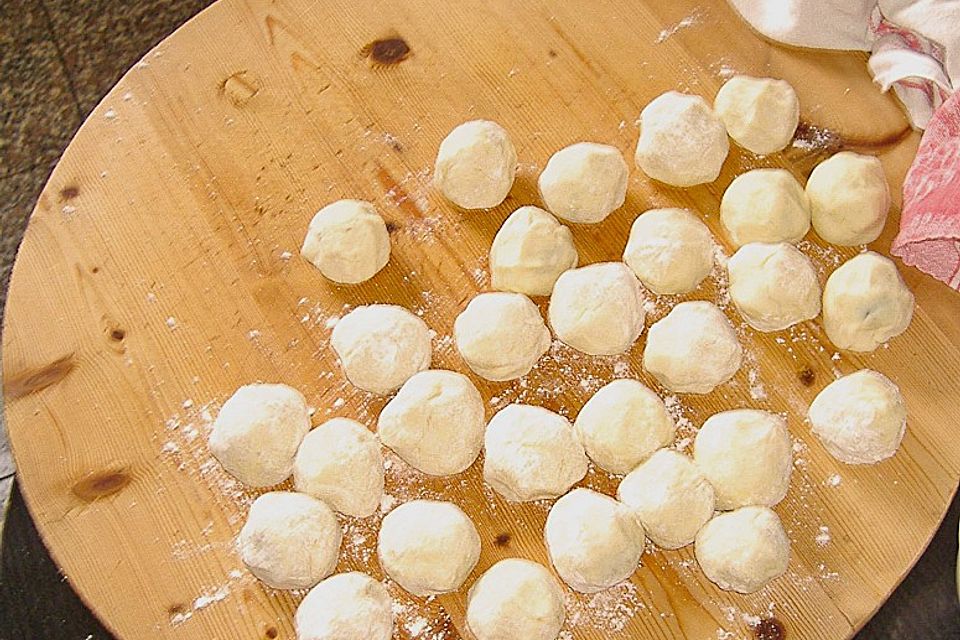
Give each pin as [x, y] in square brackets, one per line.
[57, 59]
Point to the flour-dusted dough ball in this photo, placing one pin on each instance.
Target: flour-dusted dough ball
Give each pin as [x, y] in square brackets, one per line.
[435, 422]
[530, 251]
[760, 114]
[501, 335]
[670, 497]
[476, 165]
[622, 424]
[670, 250]
[866, 303]
[860, 418]
[743, 550]
[347, 241]
[584, 182]
[746, 454]
[515, 599]
[681, 141]
[380, 346]
[597, 309]
[257, 432]
[339, 462]
[773, 286]
[347, 606]
[531, 453]
[765, 205]
[290, 540]
[692, 349]
[428, 547]
[593, 541]
[849, 198]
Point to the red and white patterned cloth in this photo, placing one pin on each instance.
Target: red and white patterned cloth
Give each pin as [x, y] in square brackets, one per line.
[915, 50]
[929, 237]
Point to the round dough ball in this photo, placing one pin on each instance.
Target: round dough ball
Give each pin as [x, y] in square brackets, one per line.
[290, 540]
[531, 453]
[530, 251]
[747, 456]
[339, 462]
[743, 550]
[670, 497]
[692, 349]
[593, 541]
[681, 141]
[435, 422]
[773, 286]
[765, 205]
[849, 198]
[760, 114]
[866, 303]
[597, 309]
[345, 606]
[670, 250]
[515, 599]
[257, 432]
[347, 241]
[622, 424]
[584, 182]
[476, 165]
[428, 547]
[501, 335]
[860, 418]
[380, 346]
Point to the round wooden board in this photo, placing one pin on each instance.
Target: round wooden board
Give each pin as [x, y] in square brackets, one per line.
[160, 271]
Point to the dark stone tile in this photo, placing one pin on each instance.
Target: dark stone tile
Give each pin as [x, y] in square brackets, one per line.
[101, 39]
[18, 195]
[38, 113]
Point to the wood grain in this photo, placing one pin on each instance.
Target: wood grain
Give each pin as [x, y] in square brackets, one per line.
[154, 279]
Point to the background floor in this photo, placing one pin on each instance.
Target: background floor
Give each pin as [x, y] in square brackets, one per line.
[57, 59]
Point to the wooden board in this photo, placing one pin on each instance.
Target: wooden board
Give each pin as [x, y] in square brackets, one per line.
[160, 271]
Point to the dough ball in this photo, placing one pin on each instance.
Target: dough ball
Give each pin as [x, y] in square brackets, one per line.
[515, 599]
[866, 303]
[428, 547]
[530, 251]
[476, 165]
[257, 432]
[380, 346]
[501, 335]
[760, 114]
[622, 424]
[339, 462]
[765, 205]
[347, 241]
[860, 418]
[743, 550]
[681, 141]
[584, 182]
[290, 540]
[747, 456]
[692, 349]
[597, 309]
[531, 453]
[773, 286]
[849, 198]
[670, 250]
[346, 606]
[593, 541]
[670, 497]
[435, 422]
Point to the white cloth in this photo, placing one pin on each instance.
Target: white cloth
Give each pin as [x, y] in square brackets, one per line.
[914, 44]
